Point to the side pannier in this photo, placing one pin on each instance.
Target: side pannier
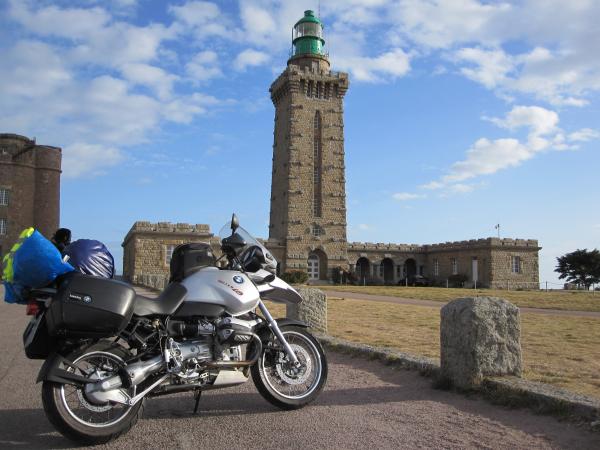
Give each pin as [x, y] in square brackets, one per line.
[88, 306]
[188, 258]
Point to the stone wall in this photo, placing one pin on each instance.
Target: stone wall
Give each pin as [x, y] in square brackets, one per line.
[31, 175]
[146, 246]
[312, 311]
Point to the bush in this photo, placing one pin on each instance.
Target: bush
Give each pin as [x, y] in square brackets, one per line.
[295, 277]
[458, 280]
[341, 276]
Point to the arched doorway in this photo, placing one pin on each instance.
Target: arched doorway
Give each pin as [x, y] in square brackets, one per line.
[317, 265]
[410, 269]
[363, 269]
[388, 271]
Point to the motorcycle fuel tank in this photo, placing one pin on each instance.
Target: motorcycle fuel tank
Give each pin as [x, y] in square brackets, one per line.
[230, 289]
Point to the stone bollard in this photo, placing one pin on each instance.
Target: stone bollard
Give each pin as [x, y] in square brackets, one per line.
[479, 337]
[313, 310]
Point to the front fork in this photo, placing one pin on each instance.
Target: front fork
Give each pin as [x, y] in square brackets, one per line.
[277, 332]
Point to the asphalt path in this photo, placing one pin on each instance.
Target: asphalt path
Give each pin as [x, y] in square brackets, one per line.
[434, 304]
[365, 405]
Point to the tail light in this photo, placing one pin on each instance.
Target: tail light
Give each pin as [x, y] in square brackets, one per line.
[33, 307]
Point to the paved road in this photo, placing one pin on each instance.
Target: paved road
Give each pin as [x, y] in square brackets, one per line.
[434, 304]
[365, 405]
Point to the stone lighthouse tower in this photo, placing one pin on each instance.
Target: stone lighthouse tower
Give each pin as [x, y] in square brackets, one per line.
[308, 193]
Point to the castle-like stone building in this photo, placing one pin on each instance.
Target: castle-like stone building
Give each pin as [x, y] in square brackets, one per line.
[29, 188]
[307, 228]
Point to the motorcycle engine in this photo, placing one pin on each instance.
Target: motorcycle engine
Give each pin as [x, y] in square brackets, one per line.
[185, 358]
[232, 331]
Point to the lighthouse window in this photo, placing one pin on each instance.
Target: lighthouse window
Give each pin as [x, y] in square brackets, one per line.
[317, 161]
[3, 197]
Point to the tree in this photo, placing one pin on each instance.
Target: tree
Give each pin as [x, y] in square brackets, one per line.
[581, 267]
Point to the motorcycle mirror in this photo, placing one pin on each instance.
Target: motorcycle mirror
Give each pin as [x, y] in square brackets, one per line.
[235, 223]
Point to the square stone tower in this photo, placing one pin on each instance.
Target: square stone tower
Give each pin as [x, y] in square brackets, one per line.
[308, 189]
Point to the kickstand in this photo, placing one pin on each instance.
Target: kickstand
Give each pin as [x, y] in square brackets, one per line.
[197, 396]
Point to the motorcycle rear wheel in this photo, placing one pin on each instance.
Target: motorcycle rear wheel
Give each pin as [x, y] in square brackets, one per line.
[80, 420]
[284, 385]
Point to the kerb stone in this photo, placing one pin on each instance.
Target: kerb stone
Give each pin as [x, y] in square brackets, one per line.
[479, 337]
[313, 310]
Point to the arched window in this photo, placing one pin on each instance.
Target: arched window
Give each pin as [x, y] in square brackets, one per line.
[317, 163]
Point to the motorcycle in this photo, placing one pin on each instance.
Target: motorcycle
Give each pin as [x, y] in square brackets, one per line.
[107, 349]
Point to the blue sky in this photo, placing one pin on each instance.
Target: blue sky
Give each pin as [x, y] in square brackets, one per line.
[460, 114]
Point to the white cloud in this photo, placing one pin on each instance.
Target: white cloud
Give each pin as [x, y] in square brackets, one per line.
[492, 66]
[101, 88]
[392, 64]
[204, 20]
[486, 157]
[442, 24]
[584, 135]
[432, 185]
[204, 66]
[81, 158]
[559, 62]
[364, 226]
[540, 121]
[403, 196]
[154, 77]
[257, 20]
[70, 23]
[184, 109]
[250, 58]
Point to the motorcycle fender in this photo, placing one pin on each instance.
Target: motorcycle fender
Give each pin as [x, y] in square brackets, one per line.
[51, 371]
[285, 321]
[264, 327]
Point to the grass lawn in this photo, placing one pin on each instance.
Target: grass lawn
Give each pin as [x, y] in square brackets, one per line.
[564, 351]
[565, 300]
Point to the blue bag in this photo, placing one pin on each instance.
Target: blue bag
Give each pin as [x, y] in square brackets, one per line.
[34, 263]
[91, 258]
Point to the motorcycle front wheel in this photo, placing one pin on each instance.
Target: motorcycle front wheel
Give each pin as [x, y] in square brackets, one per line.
[282, 383]
[78, 417]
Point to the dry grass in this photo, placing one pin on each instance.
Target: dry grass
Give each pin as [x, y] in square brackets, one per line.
[559, 350]
[564, 300]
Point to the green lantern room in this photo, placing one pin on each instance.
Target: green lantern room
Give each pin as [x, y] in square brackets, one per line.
[308, 44]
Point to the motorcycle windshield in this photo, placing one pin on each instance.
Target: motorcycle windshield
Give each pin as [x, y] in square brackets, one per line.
[250, 242]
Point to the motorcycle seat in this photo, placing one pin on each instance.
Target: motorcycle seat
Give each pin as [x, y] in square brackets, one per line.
[165, 304]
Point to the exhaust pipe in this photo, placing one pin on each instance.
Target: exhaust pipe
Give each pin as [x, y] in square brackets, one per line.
[136, 372]
[236, 364]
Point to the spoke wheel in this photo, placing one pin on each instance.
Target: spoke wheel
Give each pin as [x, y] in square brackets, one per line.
[285, 384]
[79, 414]
[96, 365]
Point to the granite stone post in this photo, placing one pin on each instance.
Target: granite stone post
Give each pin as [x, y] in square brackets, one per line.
[479, 337]
[313, 310]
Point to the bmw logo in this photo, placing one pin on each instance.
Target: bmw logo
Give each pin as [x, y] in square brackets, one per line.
[87, 299]
[238, 279]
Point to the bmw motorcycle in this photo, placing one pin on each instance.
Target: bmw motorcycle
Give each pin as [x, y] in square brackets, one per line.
[106, 348]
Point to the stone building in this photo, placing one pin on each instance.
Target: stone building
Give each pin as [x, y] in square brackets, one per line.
[29, 188]
[307, 229]
[148, 247]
